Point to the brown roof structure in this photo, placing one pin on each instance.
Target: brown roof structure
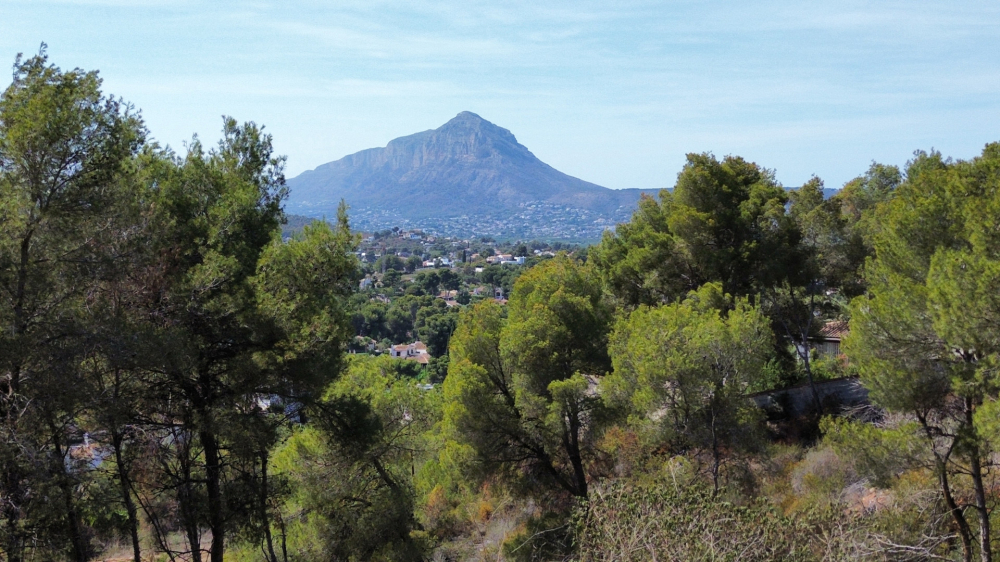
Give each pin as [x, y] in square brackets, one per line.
[834, 330]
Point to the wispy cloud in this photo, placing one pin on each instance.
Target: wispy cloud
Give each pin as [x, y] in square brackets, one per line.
[791, 81]
[174, 4]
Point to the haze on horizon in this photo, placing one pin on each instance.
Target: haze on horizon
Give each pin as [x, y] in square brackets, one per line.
[614, 95]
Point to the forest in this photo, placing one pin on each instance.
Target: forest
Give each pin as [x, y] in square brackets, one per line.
[178, 381]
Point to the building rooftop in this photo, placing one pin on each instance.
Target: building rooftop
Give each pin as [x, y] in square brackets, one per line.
[834, 330]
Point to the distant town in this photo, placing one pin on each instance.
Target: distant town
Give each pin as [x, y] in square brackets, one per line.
[413, 283]
[535, 220]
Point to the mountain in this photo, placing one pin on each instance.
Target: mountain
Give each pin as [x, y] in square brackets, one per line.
[467, 177]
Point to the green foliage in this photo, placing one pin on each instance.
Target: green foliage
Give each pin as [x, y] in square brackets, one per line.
[391, 279]
[681, 373]
[65, 159]
[545, 537]
[833, 252]
[641, 262]
[369, 317]
[240, 313]
[412, 263]
[880, 454]
[172, 370]
[176, 307]
[500, 276]
[428, 281]
[390, 262]
[302, 286]
[351, 471]
[436, 330]
[914, 338]
[450, 281]
[557, 325]
[437, 369]
[724, 222]
[517, 392]
[858, 201]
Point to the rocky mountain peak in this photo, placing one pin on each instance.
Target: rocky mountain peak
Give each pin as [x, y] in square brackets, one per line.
[468, 169]
[468, 136]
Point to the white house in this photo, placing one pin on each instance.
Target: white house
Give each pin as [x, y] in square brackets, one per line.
[415, 351]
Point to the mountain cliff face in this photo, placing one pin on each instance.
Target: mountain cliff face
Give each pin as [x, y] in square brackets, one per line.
[466, 177]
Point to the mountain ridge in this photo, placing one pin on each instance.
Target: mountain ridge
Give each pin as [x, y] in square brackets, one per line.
[448, 178]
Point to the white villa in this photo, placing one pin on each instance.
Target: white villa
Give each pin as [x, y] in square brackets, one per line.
[417, 351]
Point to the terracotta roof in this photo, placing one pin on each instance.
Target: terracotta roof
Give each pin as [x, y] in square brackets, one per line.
[419, 345]
[834, 330]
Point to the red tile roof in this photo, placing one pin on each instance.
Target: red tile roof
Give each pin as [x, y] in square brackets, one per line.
[834, 330]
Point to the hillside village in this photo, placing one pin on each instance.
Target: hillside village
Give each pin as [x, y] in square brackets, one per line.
[413, 285]
[435, 250]
[537, 219]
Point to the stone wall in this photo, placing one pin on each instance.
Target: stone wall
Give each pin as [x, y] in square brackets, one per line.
[837, 395]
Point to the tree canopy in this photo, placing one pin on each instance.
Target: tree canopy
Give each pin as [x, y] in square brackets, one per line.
[180, 379]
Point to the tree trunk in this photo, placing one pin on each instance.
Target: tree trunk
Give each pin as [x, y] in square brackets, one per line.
[808, 354]
[194, 541]
[14, 540]
[284, 538]
[715, 455]
[985, 548]
[800, 340]
[976, 471]
[964, 531]
[185, 497]
[571, 441]
[75, 533]
[20, 324]
[806, 362]
[65, 485]
[265, 520]
[213, 479]
[941, 467]
[126, 491]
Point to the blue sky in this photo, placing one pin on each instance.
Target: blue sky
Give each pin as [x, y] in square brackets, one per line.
[612, 92]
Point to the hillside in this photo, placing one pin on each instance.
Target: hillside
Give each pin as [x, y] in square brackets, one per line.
[467, 177]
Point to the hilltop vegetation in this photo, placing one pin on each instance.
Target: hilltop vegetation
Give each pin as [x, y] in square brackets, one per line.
[181, 379]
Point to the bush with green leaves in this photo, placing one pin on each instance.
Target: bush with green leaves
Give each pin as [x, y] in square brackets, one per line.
[351, 470]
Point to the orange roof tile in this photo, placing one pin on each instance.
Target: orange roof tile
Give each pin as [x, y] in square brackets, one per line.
[834, 330]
